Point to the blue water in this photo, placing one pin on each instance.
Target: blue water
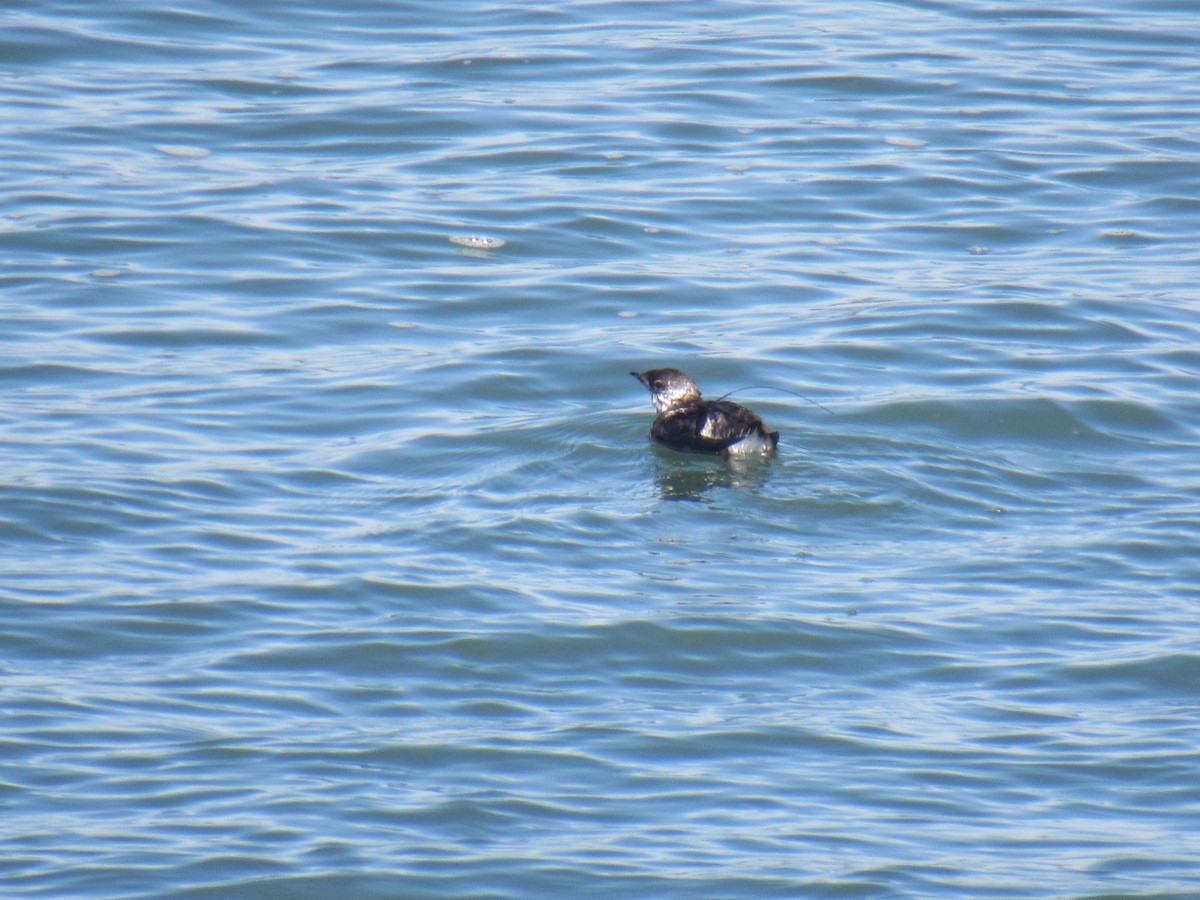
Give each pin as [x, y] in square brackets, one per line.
[334, 560]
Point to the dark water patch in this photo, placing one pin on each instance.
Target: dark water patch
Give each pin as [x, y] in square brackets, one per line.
[39, 375]
[1044, 422]
[1162, 675]
[596, 654]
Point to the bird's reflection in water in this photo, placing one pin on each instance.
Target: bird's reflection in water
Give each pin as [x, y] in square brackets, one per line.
[685, 477]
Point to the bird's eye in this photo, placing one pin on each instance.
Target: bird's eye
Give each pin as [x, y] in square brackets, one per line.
[658, 385]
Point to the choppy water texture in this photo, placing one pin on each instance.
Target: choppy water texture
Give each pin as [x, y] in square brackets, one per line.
[334, 559]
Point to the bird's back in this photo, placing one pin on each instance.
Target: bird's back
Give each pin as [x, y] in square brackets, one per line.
[713, 426]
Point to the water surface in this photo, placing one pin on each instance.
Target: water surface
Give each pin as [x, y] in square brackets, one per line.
[333, 558]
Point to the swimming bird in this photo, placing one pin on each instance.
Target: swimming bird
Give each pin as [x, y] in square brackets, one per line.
[688, 422]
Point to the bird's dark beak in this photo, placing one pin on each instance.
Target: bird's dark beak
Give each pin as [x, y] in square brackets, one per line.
[638, 376]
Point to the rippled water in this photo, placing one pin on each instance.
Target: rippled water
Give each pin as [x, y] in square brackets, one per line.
[334, 560]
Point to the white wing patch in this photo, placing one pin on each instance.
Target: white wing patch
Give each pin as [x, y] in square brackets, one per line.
[707, 430]
[751, 443]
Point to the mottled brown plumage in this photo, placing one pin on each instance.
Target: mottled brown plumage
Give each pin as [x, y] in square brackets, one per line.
[688, 422]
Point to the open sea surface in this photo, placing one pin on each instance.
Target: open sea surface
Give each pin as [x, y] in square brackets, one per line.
[334, 559]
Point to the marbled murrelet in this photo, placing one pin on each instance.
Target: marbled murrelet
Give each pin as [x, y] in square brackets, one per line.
[688, 422]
